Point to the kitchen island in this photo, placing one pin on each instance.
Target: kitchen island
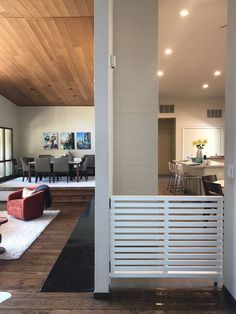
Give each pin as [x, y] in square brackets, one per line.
[208, 167]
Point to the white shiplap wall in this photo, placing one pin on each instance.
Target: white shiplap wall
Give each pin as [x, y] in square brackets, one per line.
[135, 97]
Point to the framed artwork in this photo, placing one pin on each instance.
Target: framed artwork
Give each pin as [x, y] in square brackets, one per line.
[67, 140]
[83, 140]
[50, 140]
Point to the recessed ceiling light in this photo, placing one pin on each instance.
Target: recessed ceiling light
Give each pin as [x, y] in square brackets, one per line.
[205, 86]
[168, 51]
[217, 73]
[160, 73]
[184, 12]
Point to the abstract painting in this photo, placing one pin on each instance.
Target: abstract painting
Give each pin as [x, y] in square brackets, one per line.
[83, 140]
[50, 140]
[67, 140]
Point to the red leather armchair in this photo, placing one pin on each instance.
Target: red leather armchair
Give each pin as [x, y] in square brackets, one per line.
[25, 208]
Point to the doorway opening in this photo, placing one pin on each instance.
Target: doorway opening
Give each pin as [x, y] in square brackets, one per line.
[166, 143]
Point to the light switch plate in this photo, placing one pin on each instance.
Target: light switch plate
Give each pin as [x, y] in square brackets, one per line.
[230, 171]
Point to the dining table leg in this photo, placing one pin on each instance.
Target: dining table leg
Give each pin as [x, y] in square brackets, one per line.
[29, 174]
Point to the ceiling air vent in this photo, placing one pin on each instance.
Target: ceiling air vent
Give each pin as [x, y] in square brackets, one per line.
[167, 109]
[214, 113]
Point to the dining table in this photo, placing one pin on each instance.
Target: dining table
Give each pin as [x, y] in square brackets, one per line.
[72, 163]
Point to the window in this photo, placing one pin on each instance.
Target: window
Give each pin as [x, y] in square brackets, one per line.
[6, 152]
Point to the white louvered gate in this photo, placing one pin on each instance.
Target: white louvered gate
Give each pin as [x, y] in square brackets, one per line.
[169, 236]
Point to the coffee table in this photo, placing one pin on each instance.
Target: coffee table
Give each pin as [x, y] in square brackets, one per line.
[3, 220]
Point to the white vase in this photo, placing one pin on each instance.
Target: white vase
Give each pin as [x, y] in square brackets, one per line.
[199, 153]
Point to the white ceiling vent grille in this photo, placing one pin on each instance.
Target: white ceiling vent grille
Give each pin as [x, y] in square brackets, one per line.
[214, 113]
[167, 108]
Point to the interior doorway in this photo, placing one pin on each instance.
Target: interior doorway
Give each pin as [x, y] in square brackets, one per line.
[166, 143]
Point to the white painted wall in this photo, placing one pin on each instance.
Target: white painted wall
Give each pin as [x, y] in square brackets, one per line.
[135, 97]
[193, 113]
[33, 121]
[9, 113]
[230, 146]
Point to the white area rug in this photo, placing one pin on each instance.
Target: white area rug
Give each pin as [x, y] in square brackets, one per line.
[18, 235]
[17, 182]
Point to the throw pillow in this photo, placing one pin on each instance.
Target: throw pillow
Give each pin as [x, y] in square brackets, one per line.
[27, 192]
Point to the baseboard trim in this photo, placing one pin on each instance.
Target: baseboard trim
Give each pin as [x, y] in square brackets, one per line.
[101, 295]
[229, 296]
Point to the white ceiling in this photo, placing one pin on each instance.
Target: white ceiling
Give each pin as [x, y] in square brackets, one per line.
[199, 47]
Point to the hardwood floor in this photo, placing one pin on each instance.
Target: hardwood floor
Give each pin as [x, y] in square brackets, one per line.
[23, 278]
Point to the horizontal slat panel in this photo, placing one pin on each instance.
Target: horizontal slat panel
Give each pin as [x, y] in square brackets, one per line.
[161, 274]
[205, 218]
[137, 255]
[139, 243]
[187, 211]
[167, 236]
[194, 224]
[149, 198]
[173, 269]
[131, 249]
[168, 256]
[161, 230]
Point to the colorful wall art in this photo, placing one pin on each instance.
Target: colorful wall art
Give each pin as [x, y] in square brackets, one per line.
[83, 140]
[50, 140]
[67, 140]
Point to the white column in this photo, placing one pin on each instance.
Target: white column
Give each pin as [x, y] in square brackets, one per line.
[230, 158]
[103, 135]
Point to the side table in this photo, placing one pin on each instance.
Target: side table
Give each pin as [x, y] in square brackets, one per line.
[3, 220]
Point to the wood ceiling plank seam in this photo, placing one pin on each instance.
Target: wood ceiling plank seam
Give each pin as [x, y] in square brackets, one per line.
[31, 8]
[52, 8]
[9, 46]
[40, 5]
[75, 31]
[90, 5]
[12, 36]
[19, 7]
[83, 8]
[72, 8]
[10, 10]
[82, 68]
[60, 5]
[36, 51]
[89, 51]
[78, 69]
[69, 49]
[45, 41]
[76, 77]
[52, 31]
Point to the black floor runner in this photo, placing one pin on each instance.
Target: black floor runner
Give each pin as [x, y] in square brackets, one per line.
[74, 268]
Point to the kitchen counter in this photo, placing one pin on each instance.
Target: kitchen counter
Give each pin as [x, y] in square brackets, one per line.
[208, 167]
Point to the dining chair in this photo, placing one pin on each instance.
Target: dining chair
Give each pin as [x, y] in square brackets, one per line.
[209, 178]
[212, 188]
[43, 168]
[83, 168]
[61, 168]
[25, 166]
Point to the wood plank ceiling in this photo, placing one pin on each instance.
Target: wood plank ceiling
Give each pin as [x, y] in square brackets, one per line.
[46, 52]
